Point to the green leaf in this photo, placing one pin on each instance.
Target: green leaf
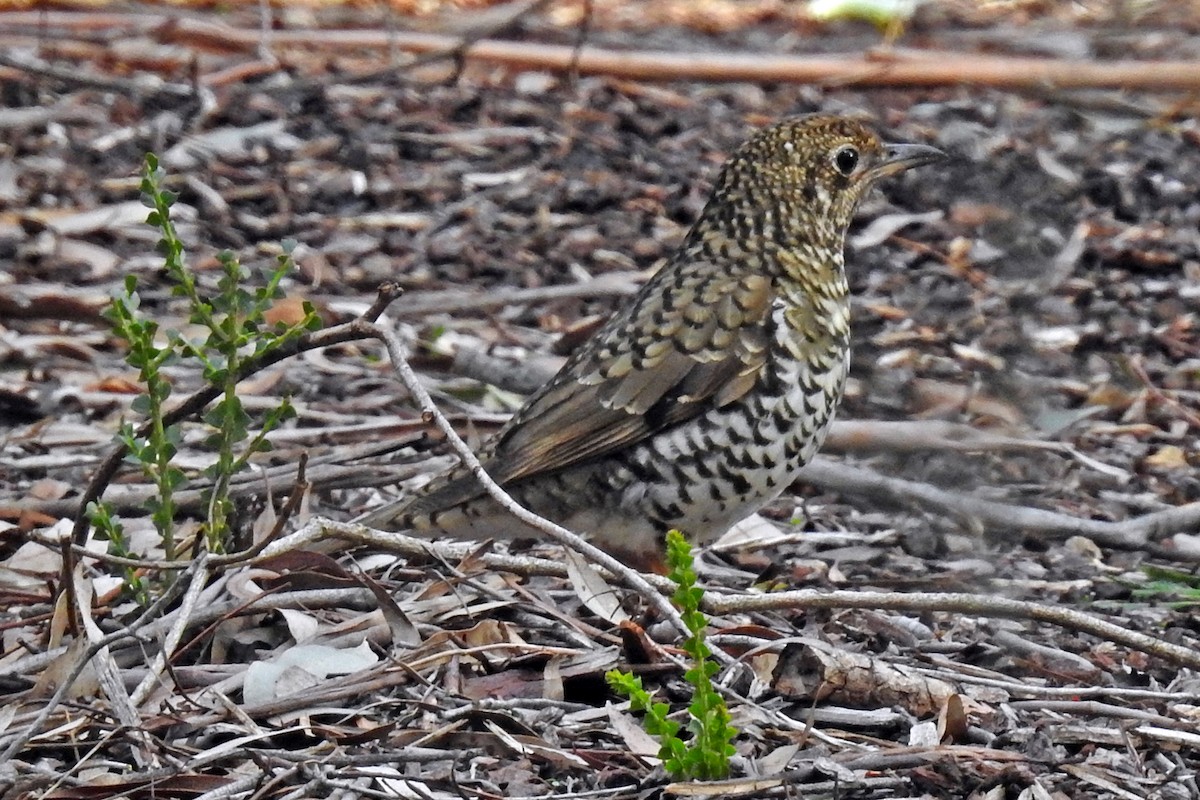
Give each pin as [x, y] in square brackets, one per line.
[175, 478]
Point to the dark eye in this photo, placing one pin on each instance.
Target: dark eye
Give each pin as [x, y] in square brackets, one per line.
[846, 159]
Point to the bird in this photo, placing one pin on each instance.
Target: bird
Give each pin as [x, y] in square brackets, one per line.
[698, 401]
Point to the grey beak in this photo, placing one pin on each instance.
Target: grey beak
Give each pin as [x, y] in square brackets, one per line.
[901, 157]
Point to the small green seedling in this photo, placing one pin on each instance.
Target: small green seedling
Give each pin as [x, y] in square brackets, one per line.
[1179, 589]
[705, 755]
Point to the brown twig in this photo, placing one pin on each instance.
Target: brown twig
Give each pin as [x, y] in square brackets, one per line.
[581, 36]
[894, 68]
[299, 490]
[1139, 371]
[899, 68]
[510, 18]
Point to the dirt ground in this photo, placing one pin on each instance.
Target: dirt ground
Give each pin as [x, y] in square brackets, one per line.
[1020, 427]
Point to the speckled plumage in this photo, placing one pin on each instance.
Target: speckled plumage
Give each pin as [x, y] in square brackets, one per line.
[701, 399]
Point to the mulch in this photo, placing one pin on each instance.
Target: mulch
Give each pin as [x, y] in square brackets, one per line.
[985, 588]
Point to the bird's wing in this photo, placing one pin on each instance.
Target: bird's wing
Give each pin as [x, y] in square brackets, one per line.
[686, 345]
[702, 347]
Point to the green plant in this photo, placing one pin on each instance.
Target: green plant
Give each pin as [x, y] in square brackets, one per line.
[111, 530]
[883, 14]
[1182, 587]
[236, 332]
[705, 756]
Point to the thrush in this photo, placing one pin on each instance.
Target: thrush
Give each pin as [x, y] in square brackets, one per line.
[700, 400]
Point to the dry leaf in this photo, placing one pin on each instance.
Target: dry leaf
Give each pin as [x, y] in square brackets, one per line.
[1168, 457]
[952, 720]
[596, 594]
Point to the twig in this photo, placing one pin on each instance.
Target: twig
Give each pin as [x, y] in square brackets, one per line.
[955, 673]
[615, 284]
[1093, 708]
[290, 506]
[1139, 370]
[899, 68]
[630, 577]
[510, 18]
[895, 68]
[581, 36]
[129, 498]
[320, 528]
[716, 602]
[1126, 534]
[930, 435]
[75, 76]
[500, 21]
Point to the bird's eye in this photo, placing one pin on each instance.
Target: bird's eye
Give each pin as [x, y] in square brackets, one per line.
[846, 159]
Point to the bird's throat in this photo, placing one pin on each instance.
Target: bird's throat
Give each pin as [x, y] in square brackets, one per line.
[816, 301]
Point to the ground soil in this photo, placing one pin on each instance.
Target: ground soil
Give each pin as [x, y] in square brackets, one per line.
[1041, 286]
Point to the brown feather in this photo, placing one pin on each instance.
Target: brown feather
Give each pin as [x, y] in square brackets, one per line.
[603, 401]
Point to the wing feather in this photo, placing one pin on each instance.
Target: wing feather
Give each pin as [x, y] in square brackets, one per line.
[609, 399]
[657, 365]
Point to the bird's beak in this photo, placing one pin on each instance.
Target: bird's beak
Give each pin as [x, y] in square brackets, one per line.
[901, 157]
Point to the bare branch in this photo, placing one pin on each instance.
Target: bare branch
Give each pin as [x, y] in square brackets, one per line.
[630, 577]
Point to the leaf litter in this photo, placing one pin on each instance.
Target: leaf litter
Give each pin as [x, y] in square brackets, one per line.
[1047, 304]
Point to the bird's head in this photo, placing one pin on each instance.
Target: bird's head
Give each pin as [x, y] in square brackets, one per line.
[799, 181]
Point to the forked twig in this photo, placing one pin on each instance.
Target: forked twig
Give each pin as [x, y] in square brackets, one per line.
[630, 577]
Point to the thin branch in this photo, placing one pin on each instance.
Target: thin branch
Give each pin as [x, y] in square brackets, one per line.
[982, 605]
[893, 68]
[131, 498]
[1139, 370]
[299, 491]
[896, 68]
[630, 577]
[417, 305]
[75, 76]
[581, 37]
[1135, 533]
[320, 528]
